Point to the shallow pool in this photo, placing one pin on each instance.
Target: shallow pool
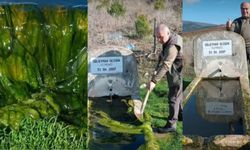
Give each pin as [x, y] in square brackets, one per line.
[215, 108]
[102, 138]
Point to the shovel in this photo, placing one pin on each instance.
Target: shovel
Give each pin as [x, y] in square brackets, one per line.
[139, 112]
[145, 101]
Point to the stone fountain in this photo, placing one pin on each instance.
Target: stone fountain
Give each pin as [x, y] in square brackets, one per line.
[217, 102]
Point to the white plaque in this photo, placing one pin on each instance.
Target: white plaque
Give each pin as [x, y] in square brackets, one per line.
[219, 108]
[106, 65]
[217, 48]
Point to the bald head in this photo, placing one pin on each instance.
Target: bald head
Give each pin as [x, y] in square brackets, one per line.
[245, 9]
[244, 3]
[162, 33]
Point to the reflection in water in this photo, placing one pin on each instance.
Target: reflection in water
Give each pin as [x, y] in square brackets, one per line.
[214, 109]
[102, 138]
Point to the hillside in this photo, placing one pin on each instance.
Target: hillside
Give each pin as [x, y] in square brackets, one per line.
[192, 26]
[105, 29]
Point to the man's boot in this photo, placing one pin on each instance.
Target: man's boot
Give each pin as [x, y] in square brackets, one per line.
[167, 128]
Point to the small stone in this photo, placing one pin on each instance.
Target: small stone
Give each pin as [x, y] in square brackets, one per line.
[192, 142]
[186, 141]
[143, 86]
[146, 74]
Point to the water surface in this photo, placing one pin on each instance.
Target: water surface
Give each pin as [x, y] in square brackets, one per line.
[214, 109]
[102, 138]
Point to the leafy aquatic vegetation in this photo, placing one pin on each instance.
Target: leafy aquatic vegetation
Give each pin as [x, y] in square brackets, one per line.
[47, 133]
[113, 125]
[144, 128]
[111, 116]
[43, 64]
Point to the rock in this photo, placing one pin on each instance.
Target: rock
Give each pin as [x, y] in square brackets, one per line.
[146, 74]
[228, 141]
[192, 142]
[143, 86]
[187, 141]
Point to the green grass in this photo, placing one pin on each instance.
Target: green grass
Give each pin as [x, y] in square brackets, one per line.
[157, 107]
[46, 133]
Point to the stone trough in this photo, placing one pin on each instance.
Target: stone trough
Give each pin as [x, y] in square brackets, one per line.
[216, 103]
[112, 86]
[112, 71]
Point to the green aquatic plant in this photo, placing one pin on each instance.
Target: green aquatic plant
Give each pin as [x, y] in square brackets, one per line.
[47, 133]
[43, 64]
[60, 33]
[6, 38]
[144, 128]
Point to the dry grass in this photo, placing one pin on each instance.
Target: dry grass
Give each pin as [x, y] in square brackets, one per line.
[101, 24]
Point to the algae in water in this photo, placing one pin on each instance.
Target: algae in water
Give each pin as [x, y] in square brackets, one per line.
[43, 63]
[143, 128]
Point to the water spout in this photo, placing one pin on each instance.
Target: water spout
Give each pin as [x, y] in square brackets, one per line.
[215, 72]
[110, 87]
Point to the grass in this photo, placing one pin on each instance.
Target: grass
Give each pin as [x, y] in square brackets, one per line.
[46, 133]
[157, 107]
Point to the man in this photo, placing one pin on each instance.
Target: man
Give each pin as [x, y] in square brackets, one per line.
[241, 25]
[170, 63]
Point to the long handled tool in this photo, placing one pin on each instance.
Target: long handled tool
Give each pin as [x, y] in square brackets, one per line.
[153, 55]
[145, 101]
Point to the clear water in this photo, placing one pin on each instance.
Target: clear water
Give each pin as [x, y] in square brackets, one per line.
[101, 138]
[107, 140]
[214, 109]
